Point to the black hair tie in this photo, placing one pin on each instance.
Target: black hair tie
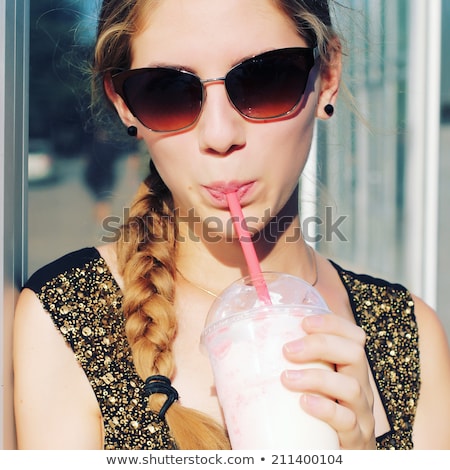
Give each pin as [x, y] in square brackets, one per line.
[161, 384]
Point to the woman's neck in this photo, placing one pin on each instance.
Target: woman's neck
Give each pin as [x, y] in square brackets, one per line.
[279, 246]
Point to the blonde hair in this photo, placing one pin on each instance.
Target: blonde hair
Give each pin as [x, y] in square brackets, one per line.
[147, 246]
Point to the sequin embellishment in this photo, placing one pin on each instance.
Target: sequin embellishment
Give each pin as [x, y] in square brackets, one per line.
[85, 304]
[386, 314]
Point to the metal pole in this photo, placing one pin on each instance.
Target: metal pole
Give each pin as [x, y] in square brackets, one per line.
[13, 144]
[423, 146]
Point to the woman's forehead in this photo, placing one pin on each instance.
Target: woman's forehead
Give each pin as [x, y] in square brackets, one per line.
[209, 30]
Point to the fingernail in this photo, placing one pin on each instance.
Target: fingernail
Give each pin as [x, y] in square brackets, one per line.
[293, 375]
[314, 320]
[294, 346]
[311, 401]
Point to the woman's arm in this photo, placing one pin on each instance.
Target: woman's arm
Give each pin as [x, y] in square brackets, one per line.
[432, 424]
[55, 406]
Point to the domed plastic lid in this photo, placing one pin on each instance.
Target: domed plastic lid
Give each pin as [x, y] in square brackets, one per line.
[242, 295]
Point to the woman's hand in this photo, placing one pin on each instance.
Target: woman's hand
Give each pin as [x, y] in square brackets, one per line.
[342, 398]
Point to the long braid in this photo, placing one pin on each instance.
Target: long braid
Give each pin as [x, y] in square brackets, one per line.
[146, 256]
[146, 253]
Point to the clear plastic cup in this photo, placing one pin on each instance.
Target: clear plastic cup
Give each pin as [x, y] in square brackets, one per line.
[244, 338]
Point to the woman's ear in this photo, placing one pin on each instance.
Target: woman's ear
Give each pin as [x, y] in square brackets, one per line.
[330, 79]
[122, 109]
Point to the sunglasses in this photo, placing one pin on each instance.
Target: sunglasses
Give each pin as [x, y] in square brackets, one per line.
[267, 86]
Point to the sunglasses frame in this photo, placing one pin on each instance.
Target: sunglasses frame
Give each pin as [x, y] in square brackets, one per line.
[309, 53]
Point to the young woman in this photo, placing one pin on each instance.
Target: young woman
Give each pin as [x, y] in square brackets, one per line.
[224, 93]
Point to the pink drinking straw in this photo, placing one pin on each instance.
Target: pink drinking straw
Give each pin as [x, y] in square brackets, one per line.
[247, 247]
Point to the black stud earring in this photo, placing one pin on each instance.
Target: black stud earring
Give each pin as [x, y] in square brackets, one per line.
[329, 109]
[132, 131]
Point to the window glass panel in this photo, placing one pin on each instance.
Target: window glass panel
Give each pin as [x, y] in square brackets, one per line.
[365, 166]
[79, 182]
[444, 172]
[361, 157]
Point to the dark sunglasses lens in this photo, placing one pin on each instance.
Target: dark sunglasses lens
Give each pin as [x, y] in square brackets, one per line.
[268, 86]
[164, 99]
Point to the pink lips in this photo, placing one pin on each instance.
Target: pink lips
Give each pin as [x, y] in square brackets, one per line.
[219, 189]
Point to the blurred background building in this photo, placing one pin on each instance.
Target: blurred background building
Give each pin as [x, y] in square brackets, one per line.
[375, 194]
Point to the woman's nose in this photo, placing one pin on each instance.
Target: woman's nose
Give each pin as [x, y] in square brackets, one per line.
[221, 128]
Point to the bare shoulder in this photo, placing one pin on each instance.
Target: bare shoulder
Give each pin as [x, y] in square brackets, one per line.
[32, 325]
[432, 424]
[54, 404]
[432, 335]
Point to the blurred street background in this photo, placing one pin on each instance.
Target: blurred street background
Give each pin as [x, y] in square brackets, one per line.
[69, 221]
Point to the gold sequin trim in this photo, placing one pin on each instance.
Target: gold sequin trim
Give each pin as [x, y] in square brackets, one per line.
[85, 304]
[386, 314]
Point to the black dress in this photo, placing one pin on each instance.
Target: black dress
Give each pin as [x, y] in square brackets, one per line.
[85, 304]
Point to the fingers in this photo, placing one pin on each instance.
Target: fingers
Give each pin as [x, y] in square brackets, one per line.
[325, 347]
[332, 340]
[328, 383]
[341, 397]
[352, 435]
[329, 338]
[338, 399]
